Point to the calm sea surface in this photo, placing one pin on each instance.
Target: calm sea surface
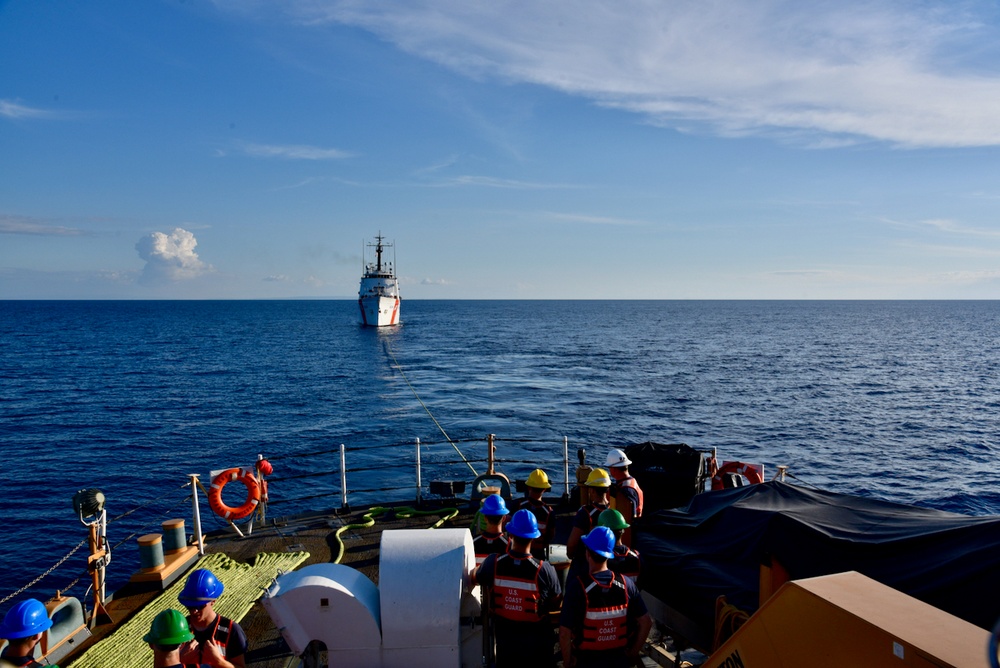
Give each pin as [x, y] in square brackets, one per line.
[897, 400]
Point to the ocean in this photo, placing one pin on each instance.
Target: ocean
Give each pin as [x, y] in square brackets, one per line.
[895, 400]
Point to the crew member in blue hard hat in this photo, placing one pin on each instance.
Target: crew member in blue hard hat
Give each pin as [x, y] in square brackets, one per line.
[22, 628]
[536, 485]
[626, 560]
[168, 637]
[218, 641]
[491, 540]
[522, 591]
[626, 495]
[604, 621]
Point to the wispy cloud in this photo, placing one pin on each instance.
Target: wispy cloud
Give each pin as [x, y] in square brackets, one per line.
[293, 152]
[591, 220]
[10, 224]
[823, 74]
[494, 182]
[11, 109]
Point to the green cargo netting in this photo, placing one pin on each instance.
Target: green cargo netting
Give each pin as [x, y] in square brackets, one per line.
[243, 583]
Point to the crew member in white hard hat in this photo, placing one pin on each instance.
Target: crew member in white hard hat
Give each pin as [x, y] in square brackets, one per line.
[626, 496]
[536, 486]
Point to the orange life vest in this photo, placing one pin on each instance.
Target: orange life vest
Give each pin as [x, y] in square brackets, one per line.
[515, 588]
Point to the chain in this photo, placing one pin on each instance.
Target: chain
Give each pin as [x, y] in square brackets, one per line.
[48, 572]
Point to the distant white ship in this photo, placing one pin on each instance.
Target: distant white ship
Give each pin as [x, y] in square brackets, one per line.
[378, 296]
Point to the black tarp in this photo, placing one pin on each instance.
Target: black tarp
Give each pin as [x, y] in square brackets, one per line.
[716, 544]
[670, 474]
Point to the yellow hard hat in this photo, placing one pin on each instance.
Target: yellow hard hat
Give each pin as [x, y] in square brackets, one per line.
[598, 478]
[538, 480]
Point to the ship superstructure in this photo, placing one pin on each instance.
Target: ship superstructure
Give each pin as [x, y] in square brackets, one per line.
[378, 295]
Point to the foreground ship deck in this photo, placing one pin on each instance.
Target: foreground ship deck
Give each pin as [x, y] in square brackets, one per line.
[793, 604]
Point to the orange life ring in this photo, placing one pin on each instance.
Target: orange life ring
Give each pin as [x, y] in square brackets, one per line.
[215, 494]
[752, 472]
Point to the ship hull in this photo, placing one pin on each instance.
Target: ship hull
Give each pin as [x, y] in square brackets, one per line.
[379, 311]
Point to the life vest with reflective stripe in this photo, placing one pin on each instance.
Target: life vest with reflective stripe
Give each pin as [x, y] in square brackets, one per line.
[515, 588]
[541, 510]
[486, 544]
[626, 562]
[604, 622]
[220, 634]
[631, 482]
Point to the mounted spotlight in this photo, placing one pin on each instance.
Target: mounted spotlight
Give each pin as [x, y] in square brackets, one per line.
[88, 502]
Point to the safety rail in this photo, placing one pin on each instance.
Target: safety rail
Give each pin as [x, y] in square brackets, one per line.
[424, 457]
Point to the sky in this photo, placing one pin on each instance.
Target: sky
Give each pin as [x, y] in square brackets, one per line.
[568, 149]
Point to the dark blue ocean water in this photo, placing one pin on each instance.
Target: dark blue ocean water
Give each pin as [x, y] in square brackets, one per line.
[897, 400]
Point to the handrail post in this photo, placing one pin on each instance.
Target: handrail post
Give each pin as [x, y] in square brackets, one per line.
[418, 473]
[490, 452]
[566, 466]
[196, 512]
[343, 477]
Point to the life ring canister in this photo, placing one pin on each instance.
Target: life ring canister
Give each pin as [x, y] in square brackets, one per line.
[752, 472]
[215, 494]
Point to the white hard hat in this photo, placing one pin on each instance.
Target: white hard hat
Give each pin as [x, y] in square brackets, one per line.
[617, 458]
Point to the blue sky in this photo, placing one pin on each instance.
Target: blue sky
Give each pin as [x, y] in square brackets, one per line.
[626, 149]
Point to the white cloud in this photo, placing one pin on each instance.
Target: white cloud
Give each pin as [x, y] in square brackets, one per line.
[170, 257]
[10, 224]
[10, 109]
[276, 278]
[821, 73]
[294, 152]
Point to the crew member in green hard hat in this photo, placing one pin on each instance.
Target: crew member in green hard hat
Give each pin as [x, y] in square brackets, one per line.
[218, 641]
[168, 636]
[491, 540]
[523, 591]
[597, 484]
[626, 560]
[536, 485]
[22, 628]
[604, 621]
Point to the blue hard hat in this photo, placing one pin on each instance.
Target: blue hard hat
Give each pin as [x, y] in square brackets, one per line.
[24, 620]
[494, 505]
[602, 541]
[523, 524]
[201, 587]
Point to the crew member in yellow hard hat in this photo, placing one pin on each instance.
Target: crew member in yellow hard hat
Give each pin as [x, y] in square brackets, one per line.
[598, 483]
[536, 485]
[626, 496]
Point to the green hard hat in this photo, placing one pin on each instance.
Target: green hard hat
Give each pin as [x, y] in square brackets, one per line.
[169, 628]
[612, 519]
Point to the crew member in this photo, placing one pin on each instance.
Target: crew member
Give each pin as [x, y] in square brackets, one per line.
[537, 484]
[522, 591]
[22, 627]
[597, 484]
[604, 621]
[491, 540]
[168, 637]
[626, 560]
[626, 496]
[218, 641]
